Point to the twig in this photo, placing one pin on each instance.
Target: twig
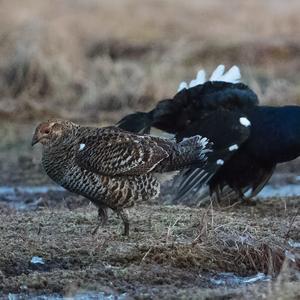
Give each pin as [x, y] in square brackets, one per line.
[293, 218]
[169, 233]
[146, 254]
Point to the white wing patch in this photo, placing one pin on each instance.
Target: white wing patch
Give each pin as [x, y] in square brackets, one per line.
[245, 122]
[81, 147]
[220, 162]
[233, 75]
[233, 147]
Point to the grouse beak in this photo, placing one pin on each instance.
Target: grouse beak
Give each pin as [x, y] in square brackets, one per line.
[35, 139]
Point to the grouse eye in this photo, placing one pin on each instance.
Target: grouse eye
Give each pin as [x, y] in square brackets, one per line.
[47, 131]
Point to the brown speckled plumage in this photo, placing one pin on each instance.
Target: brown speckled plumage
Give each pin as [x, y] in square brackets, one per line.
[111, 167]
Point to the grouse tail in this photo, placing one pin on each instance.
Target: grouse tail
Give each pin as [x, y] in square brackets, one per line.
[191, 180]
[189, 152]
[233, 75]
[194, 150]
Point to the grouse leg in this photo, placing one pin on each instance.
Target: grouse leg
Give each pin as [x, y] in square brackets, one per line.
[103, 218]
[102, 215]
[246, 200]
[125, 218]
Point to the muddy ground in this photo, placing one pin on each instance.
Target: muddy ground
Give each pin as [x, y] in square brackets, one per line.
[172, 252]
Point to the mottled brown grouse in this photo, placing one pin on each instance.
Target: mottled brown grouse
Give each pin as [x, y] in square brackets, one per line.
[112, 167]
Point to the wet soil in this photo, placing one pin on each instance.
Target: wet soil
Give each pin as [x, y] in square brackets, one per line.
[172, 252]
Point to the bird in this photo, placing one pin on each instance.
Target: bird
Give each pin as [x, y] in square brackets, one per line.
[114, 168]
[264, 136]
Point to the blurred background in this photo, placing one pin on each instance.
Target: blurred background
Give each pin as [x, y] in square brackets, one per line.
[95, 61]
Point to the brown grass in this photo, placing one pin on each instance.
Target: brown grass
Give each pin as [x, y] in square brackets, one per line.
[168, 247]
[92, 59]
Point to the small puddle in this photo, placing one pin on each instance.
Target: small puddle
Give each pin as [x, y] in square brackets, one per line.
[294, 244]
[6, 190]
[287, 190]
[79, 296]
[230, 279]
[28, 197]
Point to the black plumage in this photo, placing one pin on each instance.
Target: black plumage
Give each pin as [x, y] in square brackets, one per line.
[230, 116]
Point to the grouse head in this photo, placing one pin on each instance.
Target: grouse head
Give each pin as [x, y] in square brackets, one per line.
[138, 122]
[49, 132]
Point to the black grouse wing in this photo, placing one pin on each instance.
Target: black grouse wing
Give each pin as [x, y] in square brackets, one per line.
[179, 114]
[110, 151]
[228, 130]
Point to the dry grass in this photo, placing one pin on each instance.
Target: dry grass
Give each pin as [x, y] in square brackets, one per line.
[92, 59]
[168, 247]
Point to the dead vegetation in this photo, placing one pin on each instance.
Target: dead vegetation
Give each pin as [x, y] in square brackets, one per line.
[88, 58]
[168, 250]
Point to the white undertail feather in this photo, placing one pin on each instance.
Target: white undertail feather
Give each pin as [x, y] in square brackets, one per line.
[183, 85]
[200, 79]
[217, 73]
[201, 76]
[233, 75]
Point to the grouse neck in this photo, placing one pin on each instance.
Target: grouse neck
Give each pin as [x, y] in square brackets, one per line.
[58, 157]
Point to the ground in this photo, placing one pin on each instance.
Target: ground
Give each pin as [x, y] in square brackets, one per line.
[173, 252]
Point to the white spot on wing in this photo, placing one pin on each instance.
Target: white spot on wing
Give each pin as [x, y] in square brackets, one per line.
[81, 147]
[220, 162]
[233, 147]
[245, 122]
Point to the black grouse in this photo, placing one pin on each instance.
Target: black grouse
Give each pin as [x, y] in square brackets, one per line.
[263, 137]
[114, 168]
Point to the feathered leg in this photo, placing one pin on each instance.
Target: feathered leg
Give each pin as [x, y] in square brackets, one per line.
[246, 200]
[102, 215]
[125, 218]
[103, 218]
